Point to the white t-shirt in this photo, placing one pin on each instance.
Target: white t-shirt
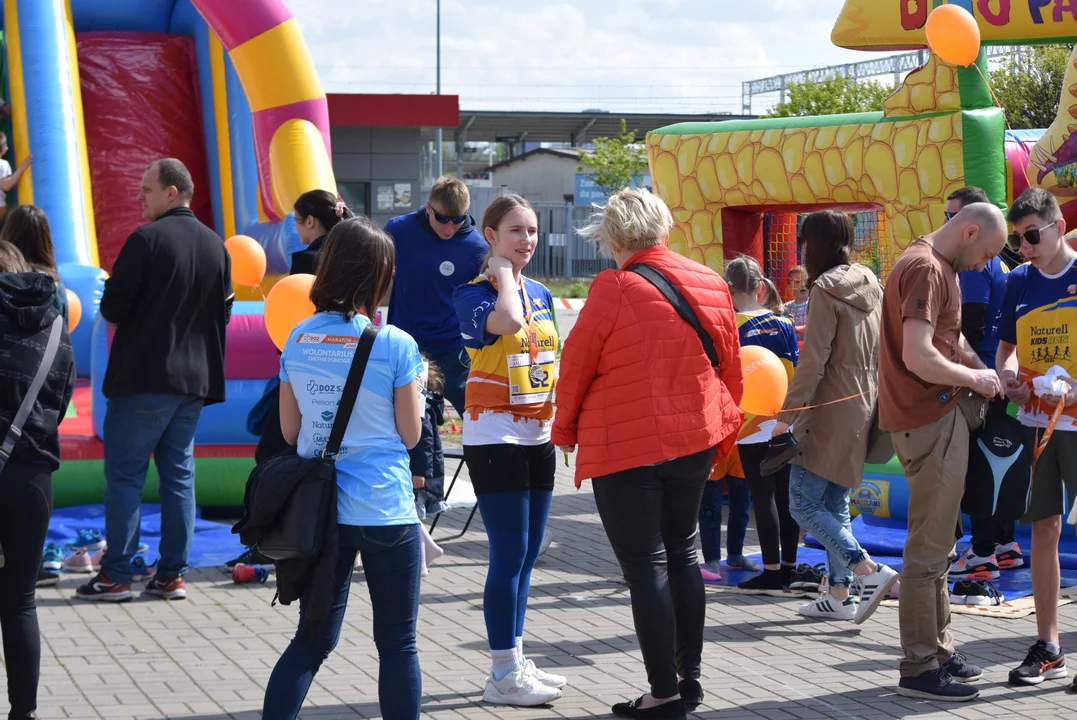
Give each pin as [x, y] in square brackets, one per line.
[5, 170]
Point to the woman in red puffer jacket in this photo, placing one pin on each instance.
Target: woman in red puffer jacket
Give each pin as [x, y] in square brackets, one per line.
[651, 413]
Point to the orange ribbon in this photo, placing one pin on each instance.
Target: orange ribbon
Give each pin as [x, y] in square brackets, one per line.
[1041, 445]
[829, 402]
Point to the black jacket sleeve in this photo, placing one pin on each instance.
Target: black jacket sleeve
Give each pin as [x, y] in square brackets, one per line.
[124, 287]
[422, 455]
[974, 323]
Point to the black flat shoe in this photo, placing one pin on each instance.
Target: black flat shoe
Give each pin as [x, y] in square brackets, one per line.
[780, 451]
[672, 710]
[691, 694]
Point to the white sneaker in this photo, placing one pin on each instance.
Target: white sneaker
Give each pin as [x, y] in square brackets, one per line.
[873, 588]
[547, 679]
[519, 687]
[826, 607]
[970, 566]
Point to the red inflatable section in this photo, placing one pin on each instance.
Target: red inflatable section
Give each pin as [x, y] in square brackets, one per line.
[141, 103]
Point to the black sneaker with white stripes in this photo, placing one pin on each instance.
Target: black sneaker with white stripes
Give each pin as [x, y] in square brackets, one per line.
[873, 588]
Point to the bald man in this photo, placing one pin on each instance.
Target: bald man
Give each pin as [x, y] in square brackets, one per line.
[932, 392]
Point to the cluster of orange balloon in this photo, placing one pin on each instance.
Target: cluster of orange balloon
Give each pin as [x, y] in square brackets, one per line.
[765, 381]
[288, 302]
[953, 35]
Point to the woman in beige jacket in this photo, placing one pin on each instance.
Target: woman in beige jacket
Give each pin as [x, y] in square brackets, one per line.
[838, 362]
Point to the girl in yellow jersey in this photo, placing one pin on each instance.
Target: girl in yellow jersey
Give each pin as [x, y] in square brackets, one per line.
[509, 332]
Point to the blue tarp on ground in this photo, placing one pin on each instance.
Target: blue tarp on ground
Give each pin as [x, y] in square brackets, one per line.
[885, 540]
[213, 543]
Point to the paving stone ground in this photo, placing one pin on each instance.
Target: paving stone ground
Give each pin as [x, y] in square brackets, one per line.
[209, 657]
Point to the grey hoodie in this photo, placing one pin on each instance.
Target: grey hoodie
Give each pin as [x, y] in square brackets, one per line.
[839, 359]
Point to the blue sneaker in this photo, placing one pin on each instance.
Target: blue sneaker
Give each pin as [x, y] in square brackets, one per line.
[140, 570]
[87, 540]
[53, 558]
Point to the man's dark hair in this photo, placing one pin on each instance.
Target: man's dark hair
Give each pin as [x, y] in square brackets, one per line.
[355, 268]
[968, 195]
[173, 173]
[1035, 201]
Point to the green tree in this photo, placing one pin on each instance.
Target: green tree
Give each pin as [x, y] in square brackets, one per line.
[1028, 85]
[833, 96]
[614, 161]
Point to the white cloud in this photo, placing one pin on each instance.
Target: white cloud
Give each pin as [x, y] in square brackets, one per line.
[628, 55]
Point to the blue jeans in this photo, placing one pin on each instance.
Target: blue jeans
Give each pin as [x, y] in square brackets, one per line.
[391, 564]
[822, 508]
[137, 426]
[710, 518]
[455, 366]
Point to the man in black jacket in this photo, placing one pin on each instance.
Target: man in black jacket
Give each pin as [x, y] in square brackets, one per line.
[169, 299]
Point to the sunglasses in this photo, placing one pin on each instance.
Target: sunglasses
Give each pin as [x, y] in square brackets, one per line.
[949, 215]
[450, 219]
[1031, 236]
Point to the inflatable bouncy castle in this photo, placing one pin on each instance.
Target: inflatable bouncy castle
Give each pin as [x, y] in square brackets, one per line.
[98, 90]
[742, 186]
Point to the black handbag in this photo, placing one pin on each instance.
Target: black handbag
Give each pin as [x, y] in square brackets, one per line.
[299, 530]
[680, 304]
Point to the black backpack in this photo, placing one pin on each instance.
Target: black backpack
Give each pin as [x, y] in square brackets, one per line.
[999, 476]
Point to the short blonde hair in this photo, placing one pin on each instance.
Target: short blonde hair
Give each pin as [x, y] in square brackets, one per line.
[634, 219]
[451, 195]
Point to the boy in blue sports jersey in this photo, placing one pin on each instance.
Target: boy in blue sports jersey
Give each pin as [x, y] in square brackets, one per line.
[1036, 329]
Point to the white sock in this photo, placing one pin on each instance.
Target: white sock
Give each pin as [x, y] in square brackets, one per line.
[1054, 647]
[432, 551]
[502, 662]
[520, 650]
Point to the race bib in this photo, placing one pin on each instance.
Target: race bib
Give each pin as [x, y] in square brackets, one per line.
[530, 383]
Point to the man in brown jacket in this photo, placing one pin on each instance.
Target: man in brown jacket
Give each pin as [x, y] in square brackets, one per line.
[926, 370]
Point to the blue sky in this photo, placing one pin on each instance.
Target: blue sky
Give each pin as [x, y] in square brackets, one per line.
[627, 55]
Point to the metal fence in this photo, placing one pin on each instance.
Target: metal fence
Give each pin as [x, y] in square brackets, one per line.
[561, 252]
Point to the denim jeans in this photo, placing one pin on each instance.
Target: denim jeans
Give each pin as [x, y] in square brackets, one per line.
[822, 508]
[455, 366]
[391, 564]
[710, 518]
[137, 426]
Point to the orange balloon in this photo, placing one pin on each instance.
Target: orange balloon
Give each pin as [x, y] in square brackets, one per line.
[765, 381]
[287, 305]
[953, 35]
[248, 260]
[74, 311]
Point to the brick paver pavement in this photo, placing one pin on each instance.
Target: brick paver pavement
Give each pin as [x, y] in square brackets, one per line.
[210, 656]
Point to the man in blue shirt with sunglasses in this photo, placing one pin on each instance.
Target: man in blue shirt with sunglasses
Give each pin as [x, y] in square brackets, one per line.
[438, 249]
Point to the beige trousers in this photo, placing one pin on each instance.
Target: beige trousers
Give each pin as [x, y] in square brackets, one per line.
[935, 459]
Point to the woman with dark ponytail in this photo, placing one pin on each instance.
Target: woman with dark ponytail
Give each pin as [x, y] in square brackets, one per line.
[316, 213]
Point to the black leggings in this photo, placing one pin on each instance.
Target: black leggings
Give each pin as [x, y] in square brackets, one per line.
[25, 508]
[770, 496]
[650, 515]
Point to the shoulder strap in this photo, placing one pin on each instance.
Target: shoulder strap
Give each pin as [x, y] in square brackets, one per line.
[680, 304]
[15, 431]
[351, 390]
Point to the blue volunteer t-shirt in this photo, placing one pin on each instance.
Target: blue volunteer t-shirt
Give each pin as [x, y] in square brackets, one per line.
[373, 468]
[428, 270]
[989, 288]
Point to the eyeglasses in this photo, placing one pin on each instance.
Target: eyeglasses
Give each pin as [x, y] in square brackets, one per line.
[1031, 236]
[949, 215]
[450, 219]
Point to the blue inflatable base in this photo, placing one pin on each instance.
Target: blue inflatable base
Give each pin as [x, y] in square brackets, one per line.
[213, 543]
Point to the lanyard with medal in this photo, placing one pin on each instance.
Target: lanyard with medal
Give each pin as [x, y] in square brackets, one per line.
[531, 373]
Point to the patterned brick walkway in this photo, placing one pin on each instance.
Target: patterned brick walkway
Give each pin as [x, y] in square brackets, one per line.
[209, 657]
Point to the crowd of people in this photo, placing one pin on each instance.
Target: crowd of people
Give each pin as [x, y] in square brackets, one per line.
[647, 392]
